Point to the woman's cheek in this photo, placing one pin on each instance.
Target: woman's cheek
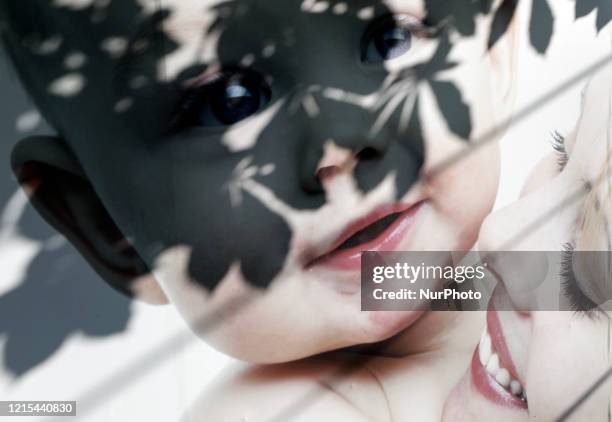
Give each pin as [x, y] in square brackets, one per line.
[546, 170]
[559, 340]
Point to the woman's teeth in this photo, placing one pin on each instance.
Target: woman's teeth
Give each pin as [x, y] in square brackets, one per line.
[490, 360]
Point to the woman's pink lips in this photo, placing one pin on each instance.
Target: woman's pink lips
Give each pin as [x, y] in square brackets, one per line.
[490, 389]
[350, 258]
[498, 340]
[481, 379]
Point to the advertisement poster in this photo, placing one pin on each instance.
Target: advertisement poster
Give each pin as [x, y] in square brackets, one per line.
[306, 210]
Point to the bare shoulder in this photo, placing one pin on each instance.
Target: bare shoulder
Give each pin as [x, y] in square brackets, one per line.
[316, 389]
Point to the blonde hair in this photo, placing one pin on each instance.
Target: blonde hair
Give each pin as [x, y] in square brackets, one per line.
[597, 213]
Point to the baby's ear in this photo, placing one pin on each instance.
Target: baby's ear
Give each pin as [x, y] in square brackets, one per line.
[59, 190]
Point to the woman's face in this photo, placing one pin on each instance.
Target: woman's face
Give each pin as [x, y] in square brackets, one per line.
[247, 144]
[543, 361]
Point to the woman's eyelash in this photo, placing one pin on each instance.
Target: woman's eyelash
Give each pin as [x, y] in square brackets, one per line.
[578, 301]
[558, 144]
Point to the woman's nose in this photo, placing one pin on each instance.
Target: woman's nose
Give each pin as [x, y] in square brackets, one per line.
[539, 220]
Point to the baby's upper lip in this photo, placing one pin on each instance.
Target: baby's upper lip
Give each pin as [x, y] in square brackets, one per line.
[361, 223]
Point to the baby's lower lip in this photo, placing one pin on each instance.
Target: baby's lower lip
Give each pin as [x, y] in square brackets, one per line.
[350, 259]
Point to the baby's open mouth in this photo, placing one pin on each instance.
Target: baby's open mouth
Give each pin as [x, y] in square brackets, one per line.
[369, 233]
[381, 230]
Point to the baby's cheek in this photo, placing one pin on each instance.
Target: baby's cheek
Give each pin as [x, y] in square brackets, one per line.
[466, 193]
[383, 325]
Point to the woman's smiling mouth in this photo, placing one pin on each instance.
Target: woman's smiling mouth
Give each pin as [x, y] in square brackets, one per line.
[381, 230]
[493, 371]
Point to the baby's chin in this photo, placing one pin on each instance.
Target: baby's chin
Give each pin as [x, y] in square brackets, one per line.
[273, 346]
[281, 333]
[302, 313]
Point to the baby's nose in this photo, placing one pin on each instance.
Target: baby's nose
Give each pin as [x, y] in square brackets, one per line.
[336, 140]
[335, 160]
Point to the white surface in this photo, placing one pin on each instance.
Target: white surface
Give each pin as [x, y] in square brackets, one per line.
[159, 393]
[572, 50]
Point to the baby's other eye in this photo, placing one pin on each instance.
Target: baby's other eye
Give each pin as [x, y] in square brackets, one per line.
[223, 100]
[390, 37]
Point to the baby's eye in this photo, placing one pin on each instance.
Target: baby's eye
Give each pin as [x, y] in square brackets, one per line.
[223, 100]
[390, 37]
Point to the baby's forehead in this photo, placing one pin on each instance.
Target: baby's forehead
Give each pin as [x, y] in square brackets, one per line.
[93, 24]
[249, 28]
[192, 10]
[315, 6]
[162, 38]
[191, 21]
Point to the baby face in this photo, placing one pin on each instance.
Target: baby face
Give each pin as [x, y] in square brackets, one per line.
[249, 151]
[553, 357]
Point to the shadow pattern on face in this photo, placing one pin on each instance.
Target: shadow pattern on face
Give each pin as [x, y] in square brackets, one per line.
[295, 48]
[303, 56]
